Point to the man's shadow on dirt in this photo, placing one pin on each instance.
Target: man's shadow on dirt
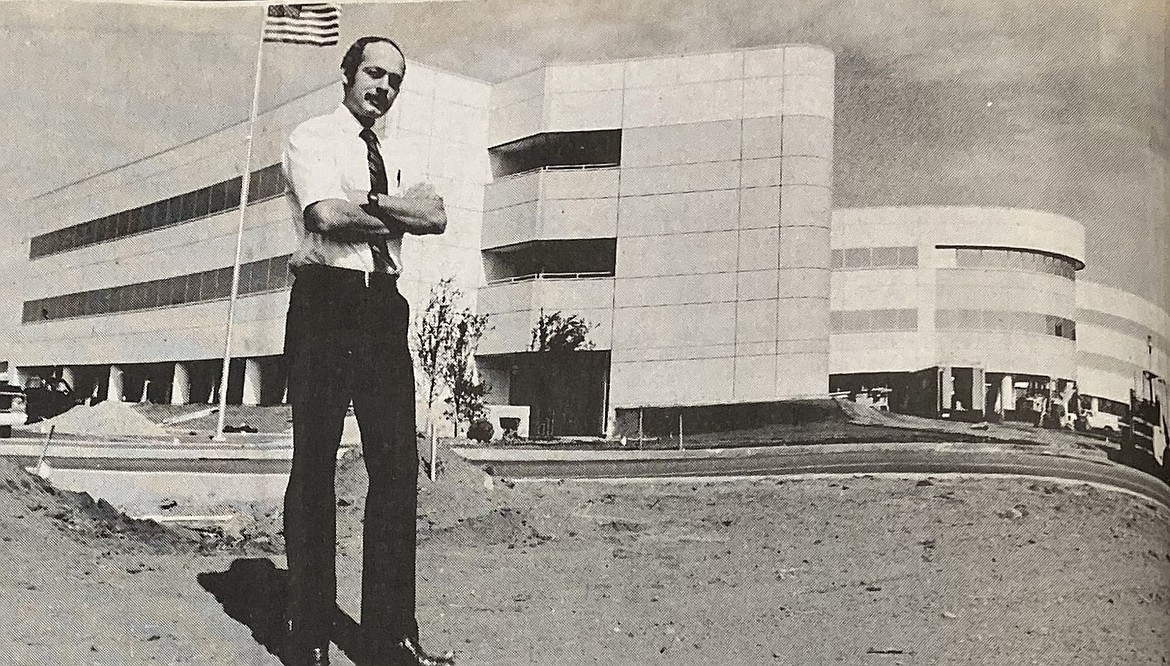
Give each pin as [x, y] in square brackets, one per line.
[253, 591]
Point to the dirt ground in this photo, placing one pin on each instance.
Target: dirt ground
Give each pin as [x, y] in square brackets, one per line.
[857, 570]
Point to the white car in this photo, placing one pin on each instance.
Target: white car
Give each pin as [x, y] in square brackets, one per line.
[1103, 422]
[12, 408]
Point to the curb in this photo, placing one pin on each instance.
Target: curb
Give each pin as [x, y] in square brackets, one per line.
[918, 458]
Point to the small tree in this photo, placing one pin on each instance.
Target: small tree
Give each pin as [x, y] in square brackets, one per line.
[467, 392]
[432, 336]
[559, 333]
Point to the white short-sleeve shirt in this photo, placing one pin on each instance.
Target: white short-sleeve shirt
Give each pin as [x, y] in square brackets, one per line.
[325, 158]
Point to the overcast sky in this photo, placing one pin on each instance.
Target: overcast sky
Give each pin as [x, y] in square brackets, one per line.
[1058, 105]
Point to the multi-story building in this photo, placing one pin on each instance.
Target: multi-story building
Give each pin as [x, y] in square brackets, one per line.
[680, 206]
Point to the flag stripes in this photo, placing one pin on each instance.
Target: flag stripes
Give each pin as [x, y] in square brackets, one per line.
[310, 24]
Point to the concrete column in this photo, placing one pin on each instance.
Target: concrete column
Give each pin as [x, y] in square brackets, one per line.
[181, 385]
[978, 390]
[946, 388]
[1007, 393]
[16, 376]
[70, 377]
[252, 382]
[114, 389]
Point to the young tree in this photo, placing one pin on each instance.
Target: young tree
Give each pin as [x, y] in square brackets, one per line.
[467, 391]
[432, 337]
[559, 333]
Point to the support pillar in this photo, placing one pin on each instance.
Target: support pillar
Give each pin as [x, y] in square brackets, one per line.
[114, 388]
[181, 385]
[978, 390]
[70, 377]
[946, 389]
[252, 379]
[16, 376]
[1007, 394]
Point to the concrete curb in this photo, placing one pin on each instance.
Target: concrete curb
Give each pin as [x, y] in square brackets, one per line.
[928, 458]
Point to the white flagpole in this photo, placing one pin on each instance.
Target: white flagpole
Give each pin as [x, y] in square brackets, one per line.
[231, 320]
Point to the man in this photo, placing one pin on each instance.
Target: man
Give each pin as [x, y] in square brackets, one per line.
[345, 340]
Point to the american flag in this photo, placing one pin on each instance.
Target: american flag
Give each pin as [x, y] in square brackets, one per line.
[313, 24]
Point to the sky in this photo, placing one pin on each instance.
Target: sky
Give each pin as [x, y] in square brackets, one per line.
[1057, 105]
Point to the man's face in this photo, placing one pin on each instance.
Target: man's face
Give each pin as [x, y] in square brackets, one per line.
[376, 83]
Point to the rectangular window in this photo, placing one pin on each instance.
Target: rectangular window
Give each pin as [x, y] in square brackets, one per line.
[217, 198]
[857, 257]
[232, 193]
[884, 257]
[837, 259]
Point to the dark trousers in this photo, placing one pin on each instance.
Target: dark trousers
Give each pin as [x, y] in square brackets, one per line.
[346, 341]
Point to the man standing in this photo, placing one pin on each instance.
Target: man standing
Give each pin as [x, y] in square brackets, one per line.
[345, 339]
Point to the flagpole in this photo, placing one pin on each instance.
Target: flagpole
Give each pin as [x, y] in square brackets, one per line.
[245, 181]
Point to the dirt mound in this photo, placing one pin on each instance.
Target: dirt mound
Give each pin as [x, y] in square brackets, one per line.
[107, 418]
[77, 515]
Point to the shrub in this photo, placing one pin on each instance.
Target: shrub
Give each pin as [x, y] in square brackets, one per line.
[481, 431]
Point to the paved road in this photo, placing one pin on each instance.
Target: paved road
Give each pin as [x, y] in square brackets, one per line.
[770, 461]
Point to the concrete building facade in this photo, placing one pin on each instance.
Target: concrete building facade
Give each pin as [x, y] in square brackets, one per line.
[681, 207]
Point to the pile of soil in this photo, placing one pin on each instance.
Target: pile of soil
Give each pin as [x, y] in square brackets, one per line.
[105, 419]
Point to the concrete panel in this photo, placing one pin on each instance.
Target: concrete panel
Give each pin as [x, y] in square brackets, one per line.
[808, 135]
[756, 322]
[678, 213]
[593, 77]
[755, 285]
[579, 183]
[803, 318]
[763, 62]
[755, 378]
[875, 289]
[675, 289]
[667, 383]
[876, 352]
[804, 247]
[808, 96]
[802, 375]
[762, 137]
[713, 252]
[758, 249]
[516, 121]
[676, 70]
[684, 103]
[460, 89]
[509, 191]
[1016, 353]
[517, 89]
[763, 97]
[803, 282]
[681, 144]
[805, 205]
[759, 208]
[508, 226]
[680, 178]
[803, 170]
[763, 172]
[574, 111]
[689, 327]
[578, 218]
[808, 61]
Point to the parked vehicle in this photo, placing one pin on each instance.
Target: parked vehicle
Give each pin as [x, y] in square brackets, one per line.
[47, 398]
[13, 404]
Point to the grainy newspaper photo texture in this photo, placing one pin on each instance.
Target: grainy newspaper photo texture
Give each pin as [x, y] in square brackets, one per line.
[558, 332]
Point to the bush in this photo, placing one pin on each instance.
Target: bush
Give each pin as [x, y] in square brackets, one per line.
[481, 430]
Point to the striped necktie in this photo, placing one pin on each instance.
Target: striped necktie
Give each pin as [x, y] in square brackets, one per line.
[379, 184]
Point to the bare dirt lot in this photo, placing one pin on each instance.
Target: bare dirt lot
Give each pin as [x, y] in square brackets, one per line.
[859, 570]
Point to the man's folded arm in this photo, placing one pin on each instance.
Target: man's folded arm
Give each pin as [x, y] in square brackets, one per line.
[346, 222]
[418, 211]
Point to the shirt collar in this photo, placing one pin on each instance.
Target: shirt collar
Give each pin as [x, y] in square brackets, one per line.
[346, 121]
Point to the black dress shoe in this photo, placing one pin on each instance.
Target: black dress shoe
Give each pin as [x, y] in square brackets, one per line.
[407, 652]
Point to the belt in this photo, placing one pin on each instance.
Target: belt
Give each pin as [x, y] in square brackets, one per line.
[347, 275]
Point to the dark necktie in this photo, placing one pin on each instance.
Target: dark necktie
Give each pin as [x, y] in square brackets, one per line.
[379, 184]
